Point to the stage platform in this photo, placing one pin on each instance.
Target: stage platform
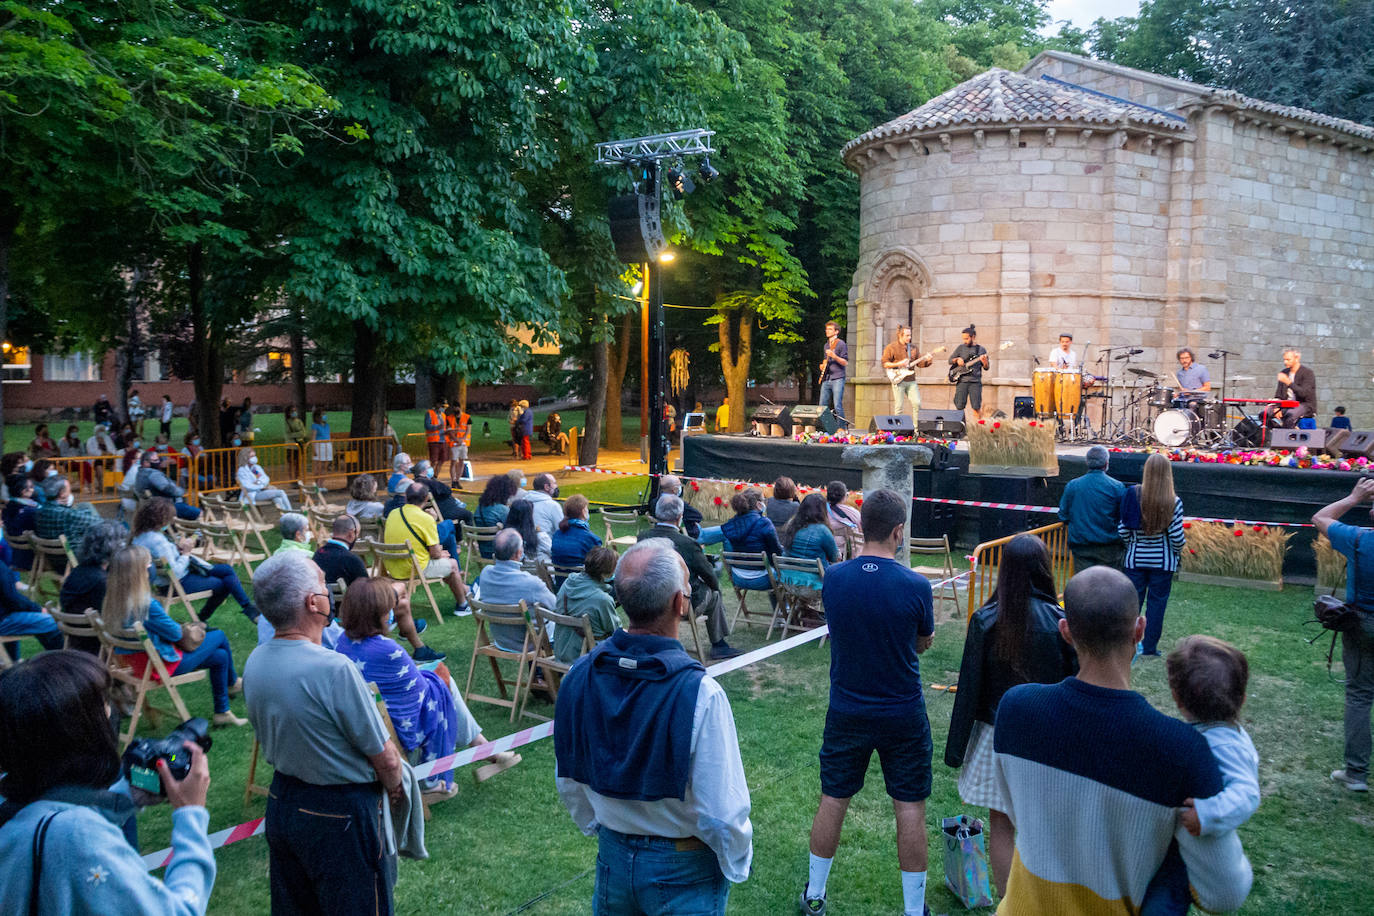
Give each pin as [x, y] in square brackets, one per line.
[1263, 494]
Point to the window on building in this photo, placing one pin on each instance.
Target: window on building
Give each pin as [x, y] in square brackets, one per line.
[73, 367]
[16, 362]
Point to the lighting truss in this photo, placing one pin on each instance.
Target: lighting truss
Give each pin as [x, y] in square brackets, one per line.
[696, 142]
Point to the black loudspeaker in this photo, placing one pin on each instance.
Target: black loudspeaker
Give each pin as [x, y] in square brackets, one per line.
[892, 423]
[1248, 434]
[770, 415]
[1360, 444]
[1023, 408]
[636, 228]
[823, 418]
[1293, 438]
[1335, 438]
[941, 424]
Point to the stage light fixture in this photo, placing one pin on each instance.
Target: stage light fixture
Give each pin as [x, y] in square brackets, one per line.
[679, 182]
[667, 256]
[705, 170]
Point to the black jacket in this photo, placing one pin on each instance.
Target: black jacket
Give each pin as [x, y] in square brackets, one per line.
[703, 574]
[983, 680]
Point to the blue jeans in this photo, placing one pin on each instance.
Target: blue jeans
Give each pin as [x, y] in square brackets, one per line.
[832, 395]
[222, 581]
[30, 623]
[184, 511]
[1152, 587]
[649, 876]
[1168, 893]
[448, 537]
[215, 655]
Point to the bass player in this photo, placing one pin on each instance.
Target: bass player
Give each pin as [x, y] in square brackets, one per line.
[966, 365]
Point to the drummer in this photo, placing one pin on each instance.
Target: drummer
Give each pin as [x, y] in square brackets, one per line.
[1194, 382]
[1063, 356]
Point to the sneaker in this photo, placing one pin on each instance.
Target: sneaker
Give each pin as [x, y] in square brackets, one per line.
[420, 625]
[463, 610]
[811, 906]
[426, 654]
[724, 650]
[1353, 783]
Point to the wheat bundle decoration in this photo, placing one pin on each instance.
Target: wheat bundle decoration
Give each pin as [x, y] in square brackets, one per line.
[1012, 446]
[712, 497]
[1249, 553]
[1330, 567]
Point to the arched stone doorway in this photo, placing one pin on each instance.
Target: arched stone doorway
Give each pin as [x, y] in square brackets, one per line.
[895, 290]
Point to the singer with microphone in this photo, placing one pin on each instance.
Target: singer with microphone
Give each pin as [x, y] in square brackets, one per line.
[1298, 383]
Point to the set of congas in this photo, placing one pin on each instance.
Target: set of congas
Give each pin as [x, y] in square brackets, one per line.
[1057, 392]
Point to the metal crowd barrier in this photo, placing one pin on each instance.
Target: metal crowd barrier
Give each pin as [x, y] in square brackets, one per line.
[349, 457]
[94, 479]
[988, 555]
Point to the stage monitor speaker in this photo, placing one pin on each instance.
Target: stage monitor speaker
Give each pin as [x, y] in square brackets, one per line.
[1360, 444]
[823, 418]
[895, 423]
[1248, 434]
[1295, 438]
[1335, 438]
[773, 419]
[941, 424]
[1023, 408]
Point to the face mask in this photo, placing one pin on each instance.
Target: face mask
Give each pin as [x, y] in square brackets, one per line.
[522, 483]
[69, 500]
[323, 418]
[429, 472]
[138, 444]
[555, 491]
[28, 466]
[237, 441]
[253, 460]
[196, 441]
[309, 537]
[52, 472]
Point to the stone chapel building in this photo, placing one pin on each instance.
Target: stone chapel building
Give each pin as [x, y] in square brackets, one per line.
[1123, 207]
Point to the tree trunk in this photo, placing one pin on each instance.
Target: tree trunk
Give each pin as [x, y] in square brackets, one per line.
[9, 222]
[617, 365]
[208, 351]
[424, 386]
[127, 356]
[448, 386]
[370, 376]
[463, 393]
[298, 392]
[589, 444]
[735, 351]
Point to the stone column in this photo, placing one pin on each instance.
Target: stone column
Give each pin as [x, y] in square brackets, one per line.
[888, 467]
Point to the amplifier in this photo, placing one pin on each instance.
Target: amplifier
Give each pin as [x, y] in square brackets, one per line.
[1335, 439]
[896, 423]
[1023, 408]
[822, 418]
[941, 424]
[1360, 443]
[1248, 434]
[1294, 438]
[772, 420]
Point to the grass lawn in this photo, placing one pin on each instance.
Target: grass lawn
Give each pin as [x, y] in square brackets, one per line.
[508, 846]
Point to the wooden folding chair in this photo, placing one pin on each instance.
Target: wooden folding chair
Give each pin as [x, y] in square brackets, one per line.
[212, 508]
[401, 553]
[244, 519]
[561, 573]
[222, 544]
[5, 641]
[474, 536]
[425, 797]
[312, 494]
[937, 547]
[748, 562]
[52, 560]
[155, 676]
[322, 520]
[78, 626]
[795, 600]
[176, 593]
[544, 659]
[538, 568]
[612, 518]
[369, 528]
[483, 646]
[252, 787]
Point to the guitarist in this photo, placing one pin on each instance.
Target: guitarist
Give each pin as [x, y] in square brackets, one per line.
[899, 363]
[833, 370]
[966, 365]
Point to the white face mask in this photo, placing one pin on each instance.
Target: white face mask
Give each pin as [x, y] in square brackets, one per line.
[309, 537]
[253, 460]
[69, 500]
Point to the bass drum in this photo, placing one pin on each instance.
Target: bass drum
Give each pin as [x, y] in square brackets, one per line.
[1176, 427]
[1042, 387]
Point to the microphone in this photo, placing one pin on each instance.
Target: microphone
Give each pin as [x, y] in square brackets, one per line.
[1136, 352]
[1216, 355]
[1037, 360]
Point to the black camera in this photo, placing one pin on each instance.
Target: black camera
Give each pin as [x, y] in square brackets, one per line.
[140, 760]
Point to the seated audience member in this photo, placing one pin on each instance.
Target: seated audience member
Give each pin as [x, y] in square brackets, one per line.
[1340, 420]
[517, 477]
[1092, 823]
[520, 518]
[84, 587]
[843, 520]
[362, 501]
[507, 582]
[573, 537]
[70, 445]
[705, 588]
[543, 497]
[152, 478]
[60, 758]
[750, 532]
[493, 506]
[21, 617]
[255, 487]
[62, 514]
[429, 715]
[452, 513]
[412, 524]
[42, 445]
[128, 599]
[587, 594]
[20, 517]
[807, 536]
[400, 474]
[152, 523]
[295, 532]
[671, 485]
[320, 729]
[783, 504]
[1012, 639]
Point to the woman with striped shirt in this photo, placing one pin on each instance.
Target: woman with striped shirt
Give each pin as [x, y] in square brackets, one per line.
[1152, 527]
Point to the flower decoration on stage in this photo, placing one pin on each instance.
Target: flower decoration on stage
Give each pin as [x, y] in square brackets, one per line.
[1301, 458]
[696, 487]
[739, 486]
[859, 501]
[1226, 550]
[1239, 532]
[719, 501]
[870, 439]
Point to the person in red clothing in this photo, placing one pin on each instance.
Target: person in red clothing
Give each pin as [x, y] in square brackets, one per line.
[434, 432]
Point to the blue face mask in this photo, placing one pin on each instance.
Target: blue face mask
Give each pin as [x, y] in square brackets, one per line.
[196, 441]
[237, 441]
[429, 472]
[28, 466]
[138, 444]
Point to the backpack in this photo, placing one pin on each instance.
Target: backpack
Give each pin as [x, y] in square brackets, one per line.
[1339, 616]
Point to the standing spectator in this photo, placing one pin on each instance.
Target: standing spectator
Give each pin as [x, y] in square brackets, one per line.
[228, 421]
[807, 537]
[783, 504]
[42, 445]
[650, 764]
[547, 512]
[389, 432]
[458, 430]
[723, 415]
[298, 434]
[412, 525]
[1357, 645]
[513, 419]
[319, 431]
[881, 618]
[150, 531]
[586, 593]
[1012, 639]
[103, 413]
[507, 582]
[165, 417]
[321, 731]
[61, 514]
[84, 587]
[1152, 527]
[255, 486]
[21, 617]
[538, 544]
[20, 516]
[573, 537]
[706, 597]
[1091, 508]
[247, 432]
[526, 429]
[136, 412]
[1340, 420]
[671, 485]
[128, 599]
[1095, 815]
[843, 520]
[362, 498]
[60, 756]
[434, 431]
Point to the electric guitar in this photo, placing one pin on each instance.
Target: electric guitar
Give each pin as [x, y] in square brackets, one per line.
[904, 371]
[958, 372]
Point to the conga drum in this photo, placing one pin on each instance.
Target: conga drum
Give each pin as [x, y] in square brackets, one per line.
[1042, 387]
[1068, 391]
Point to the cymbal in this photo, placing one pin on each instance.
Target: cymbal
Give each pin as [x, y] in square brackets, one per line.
[1241, 378]
[1143, 373]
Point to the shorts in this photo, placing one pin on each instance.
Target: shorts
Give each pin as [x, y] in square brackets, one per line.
[904, 750]
[458, 453]
[970, 393]
[441, 568]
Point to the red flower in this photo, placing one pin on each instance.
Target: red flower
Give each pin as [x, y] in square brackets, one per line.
[1191, 550]
[1187, 524]
[858, 500]
[1259, 527]
[1032, 423]
[739, 486]
[695, 486]
[982, 422]
[719, 501]
[1239, 532]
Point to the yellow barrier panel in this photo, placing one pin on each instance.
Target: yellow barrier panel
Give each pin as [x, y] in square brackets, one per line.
[215, 470]
[350, 457]
[94, 479]
[988, 555]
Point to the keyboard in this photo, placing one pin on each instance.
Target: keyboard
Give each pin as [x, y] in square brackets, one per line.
[1285, 404]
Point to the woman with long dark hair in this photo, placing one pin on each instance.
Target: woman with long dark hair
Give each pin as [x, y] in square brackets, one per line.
[521, 518]
[1012, 639]
[1152, 527]
[808, 536]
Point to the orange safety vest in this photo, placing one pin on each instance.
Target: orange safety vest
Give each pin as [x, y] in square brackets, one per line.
[462, 428]
[436, 419]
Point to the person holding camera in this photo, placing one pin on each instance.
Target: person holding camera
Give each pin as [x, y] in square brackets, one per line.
[61, 849]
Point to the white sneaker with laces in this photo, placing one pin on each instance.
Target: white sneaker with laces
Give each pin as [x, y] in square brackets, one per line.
[1353, 783]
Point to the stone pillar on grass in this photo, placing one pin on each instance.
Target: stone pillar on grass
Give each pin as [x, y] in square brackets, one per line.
[888, 467]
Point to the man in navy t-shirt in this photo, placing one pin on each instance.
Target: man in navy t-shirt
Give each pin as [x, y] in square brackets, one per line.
[880, 617]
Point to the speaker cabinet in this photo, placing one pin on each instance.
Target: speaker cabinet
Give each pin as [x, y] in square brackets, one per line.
[822, 418]
[1359, 444]
[892, 423]
[1296, 438]
[773, 420]
[1248, 434]
[941, 424]
[1023, 408]
[1335, 438]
